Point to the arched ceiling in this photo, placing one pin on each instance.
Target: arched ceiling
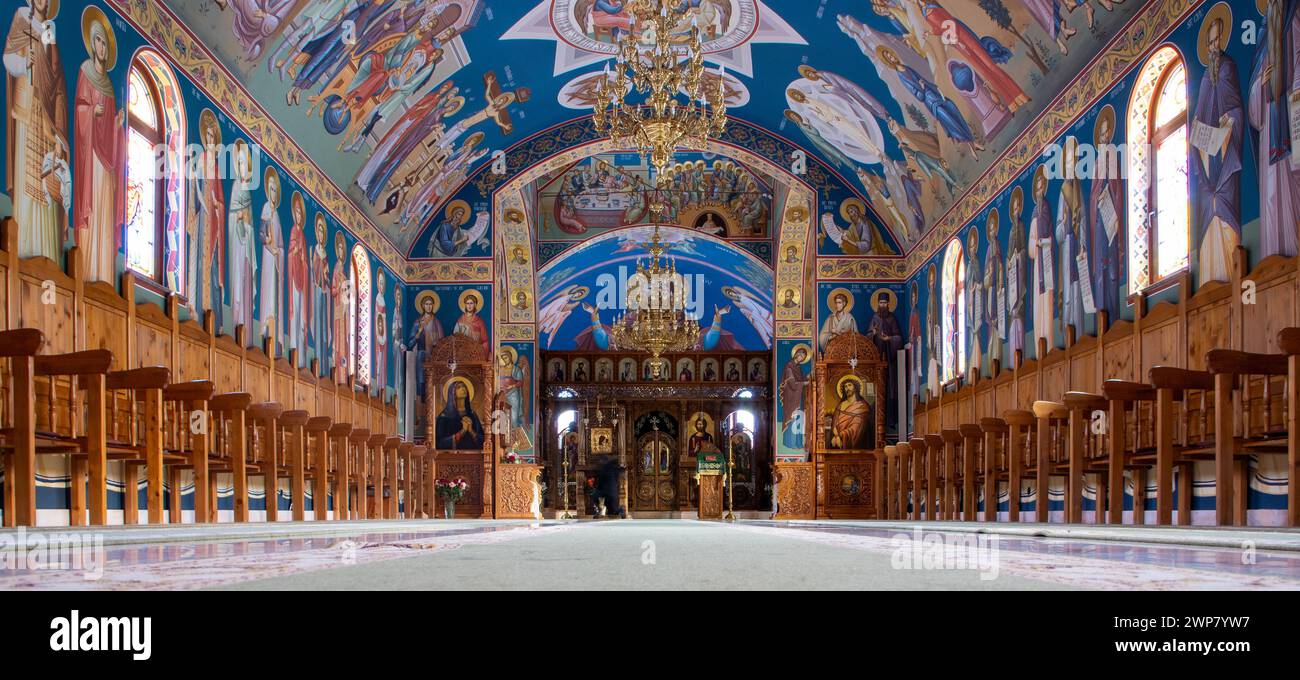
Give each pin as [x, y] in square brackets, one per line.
[399, 102]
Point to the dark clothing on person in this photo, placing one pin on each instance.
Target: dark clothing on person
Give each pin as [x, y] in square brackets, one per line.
[608, 487]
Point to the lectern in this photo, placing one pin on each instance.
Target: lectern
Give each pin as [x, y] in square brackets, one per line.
[709, 470]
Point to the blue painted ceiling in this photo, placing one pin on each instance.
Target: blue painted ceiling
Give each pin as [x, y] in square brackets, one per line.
[401, 101]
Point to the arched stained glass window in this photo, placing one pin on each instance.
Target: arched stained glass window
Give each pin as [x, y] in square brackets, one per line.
[954, 311]
[361, 314]
[154, 238]
[1159, 206]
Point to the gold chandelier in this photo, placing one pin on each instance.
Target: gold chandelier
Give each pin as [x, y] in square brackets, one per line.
[656, 321]
[660, 124]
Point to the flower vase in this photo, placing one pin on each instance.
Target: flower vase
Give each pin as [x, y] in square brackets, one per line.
[449, 510]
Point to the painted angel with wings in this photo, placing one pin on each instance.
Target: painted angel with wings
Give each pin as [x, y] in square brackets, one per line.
[557, 311]
[759, 315]
[513, 369]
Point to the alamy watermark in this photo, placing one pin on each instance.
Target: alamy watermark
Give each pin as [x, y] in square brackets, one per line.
[35, 551]
[940, 551]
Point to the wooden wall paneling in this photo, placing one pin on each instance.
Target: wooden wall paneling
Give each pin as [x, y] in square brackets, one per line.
[1274, 281]
[56, 320]
[1160, 339]
[108, 323]
[154, 344]
[227, 365]
[1117, 353]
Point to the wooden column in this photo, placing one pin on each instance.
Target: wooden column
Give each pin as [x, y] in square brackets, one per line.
[920, 458]
[408, 470]
[391, 451]
[1224, 448]
[1115, 435]
[320, 451]
[294, 423]
[153, 446]
[934, 446]
[199, 443]
[339, 435]
[97, 450]
[1164, 456]
[951, 438]
[239, 462]
[1043, 473]
[891, 488]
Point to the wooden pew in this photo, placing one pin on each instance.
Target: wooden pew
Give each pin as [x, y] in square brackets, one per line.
[920, 460]
[407, 463]
[952, 445]
[1184, 434]
[1248, 421]
[890, 467]
[294, 445]
[391, 446]
[1088, 455]
[972, 450]
[18, 437]
[340, 453]
[378, 471]
[135, 438]
[264, 450]
[906, 485]
[230, 445]
[934, 495]
[318, 430]
[1021, 456]
[1289, 341]
[61, 379]
[360, 469]
[1053, 449]
[187, 435]
[1130, 439]
[992, 465]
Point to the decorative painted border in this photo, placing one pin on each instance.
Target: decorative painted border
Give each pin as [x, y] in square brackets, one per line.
[509, 196]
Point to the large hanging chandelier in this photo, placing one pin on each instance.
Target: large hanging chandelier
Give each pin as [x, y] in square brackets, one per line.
[656, 320]
[662, 73]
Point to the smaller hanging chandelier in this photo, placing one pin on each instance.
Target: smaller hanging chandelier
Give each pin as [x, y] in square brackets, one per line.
[661, 124]
[656, 321]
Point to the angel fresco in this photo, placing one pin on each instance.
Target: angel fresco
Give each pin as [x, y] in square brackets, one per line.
[513, 369]
[557, 311]
[758, 313]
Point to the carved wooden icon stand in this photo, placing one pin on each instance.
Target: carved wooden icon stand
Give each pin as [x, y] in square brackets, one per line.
[848, 442]
[477, 466]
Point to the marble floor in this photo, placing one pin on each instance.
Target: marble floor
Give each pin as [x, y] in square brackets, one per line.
[648, 554]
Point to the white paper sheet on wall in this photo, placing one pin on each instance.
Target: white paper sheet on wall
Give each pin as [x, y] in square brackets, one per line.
[1208, 138]
[1109, 216]
[1002, 314]
[1013, 279]
[1049, 267]
[1085, 283]
[1295, 127]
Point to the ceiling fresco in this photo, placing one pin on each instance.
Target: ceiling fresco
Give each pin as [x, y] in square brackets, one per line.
[399, 102]
[728, 290]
